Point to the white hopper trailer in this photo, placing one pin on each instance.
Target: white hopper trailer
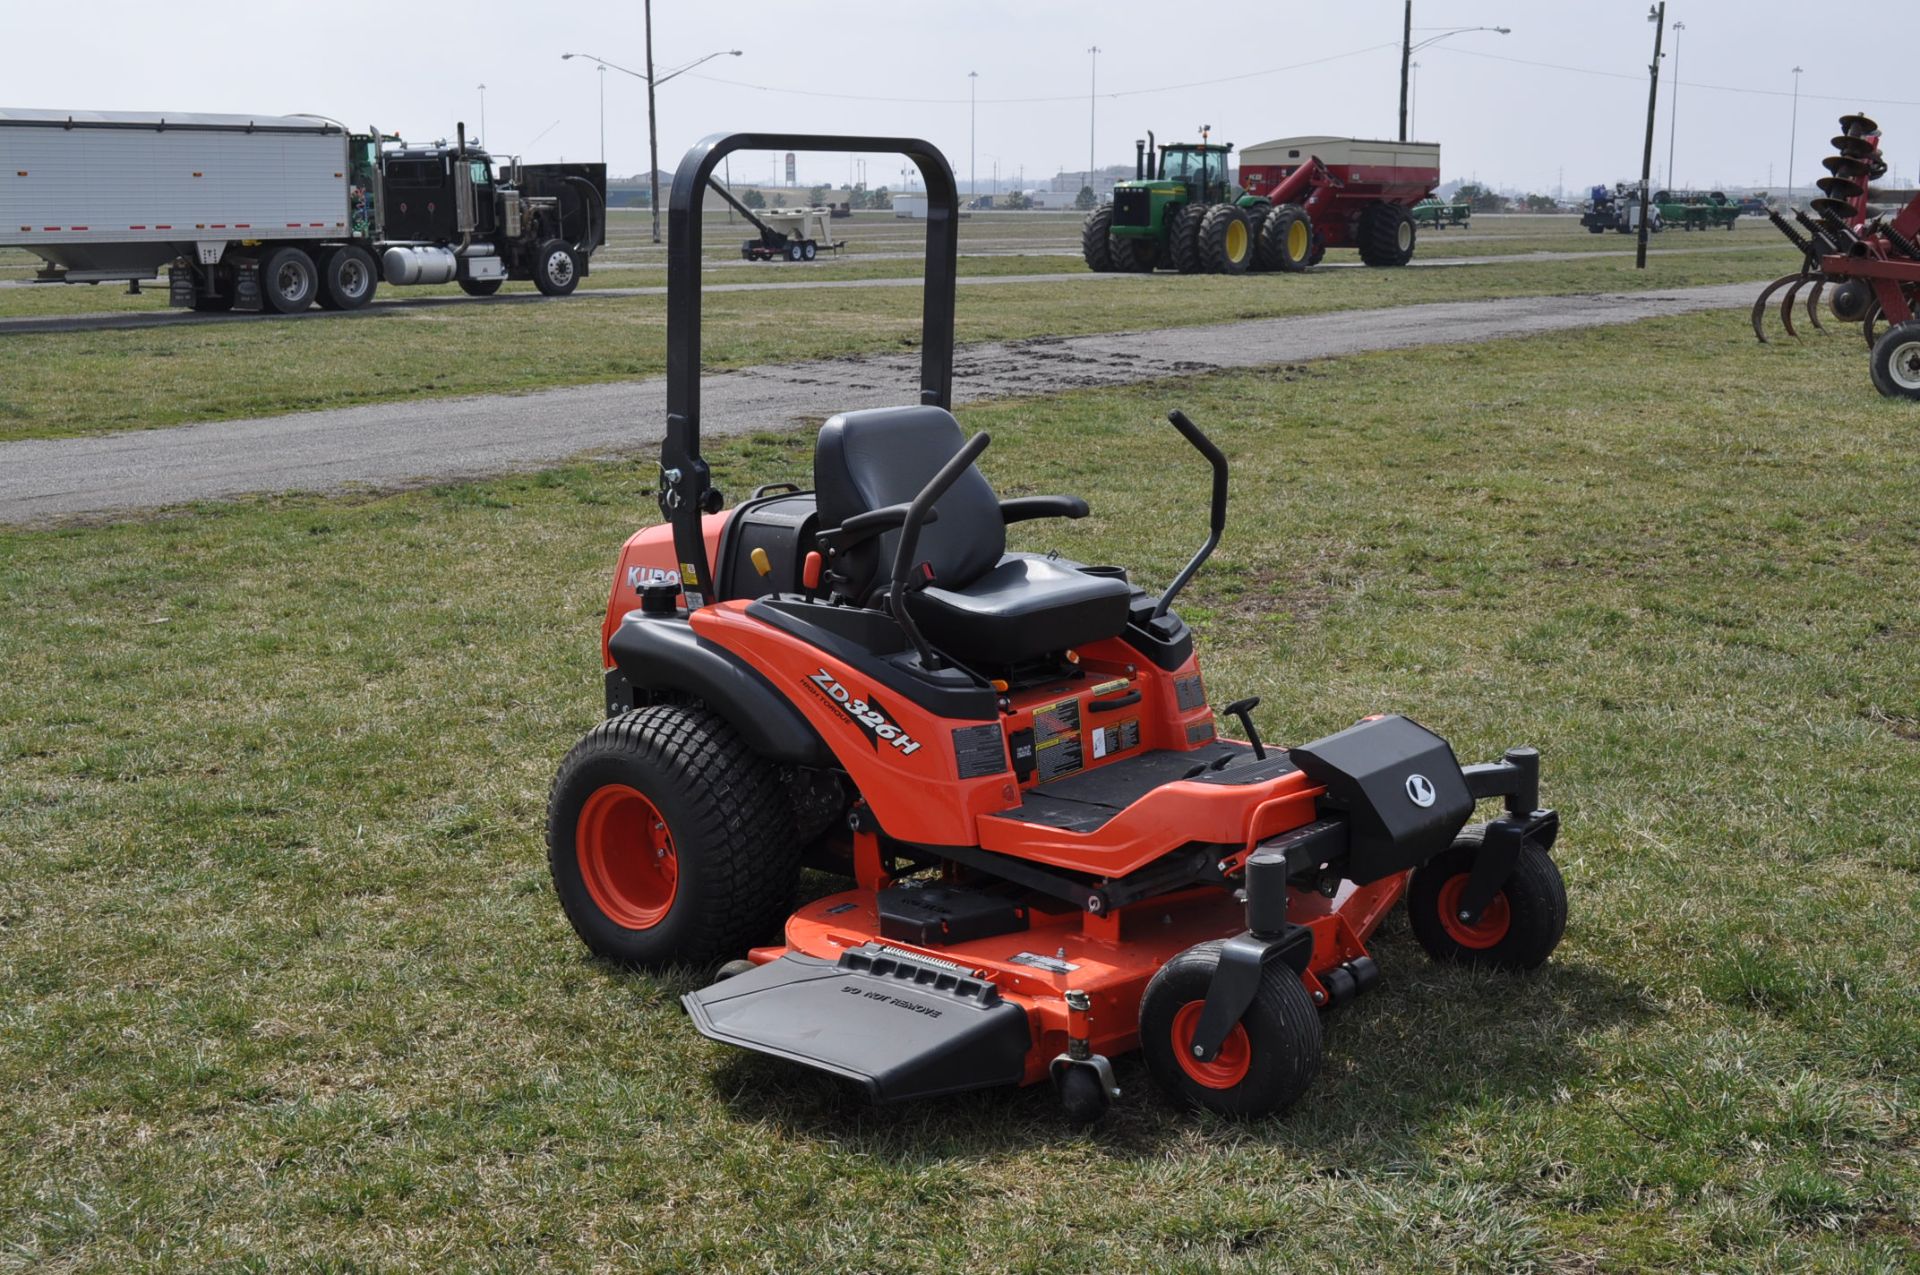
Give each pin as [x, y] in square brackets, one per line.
[282, 212]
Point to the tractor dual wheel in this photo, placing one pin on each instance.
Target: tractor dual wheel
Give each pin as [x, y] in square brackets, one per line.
[1896, 361]
[669, 840]
[1132, 255]
[1267, 1060]
[289, 281]
[1386, 235]
[1095, 232]
[1183, 239]
[1518, 930]
[1286, 240]
[556, 268]
[1226, 242]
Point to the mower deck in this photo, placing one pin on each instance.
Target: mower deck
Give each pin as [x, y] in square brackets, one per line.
[919, 1020]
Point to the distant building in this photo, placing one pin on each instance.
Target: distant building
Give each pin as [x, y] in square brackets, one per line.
[910, 205]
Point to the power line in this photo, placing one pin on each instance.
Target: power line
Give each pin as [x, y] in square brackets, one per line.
[1023, 101]
[1692, 84]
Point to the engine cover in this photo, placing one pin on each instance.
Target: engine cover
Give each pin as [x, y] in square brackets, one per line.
[1398, 787]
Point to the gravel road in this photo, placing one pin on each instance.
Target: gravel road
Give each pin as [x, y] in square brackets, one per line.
[398, 444]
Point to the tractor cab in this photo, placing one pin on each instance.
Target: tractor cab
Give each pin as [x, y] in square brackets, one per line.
[1201, 168]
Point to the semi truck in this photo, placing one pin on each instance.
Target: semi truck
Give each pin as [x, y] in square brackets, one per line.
[279, 213]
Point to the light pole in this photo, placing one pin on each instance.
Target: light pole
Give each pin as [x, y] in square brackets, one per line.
[1793, 132]
[653, 82]
[1413, 97]
[973, 163]
[1093, 80]
[1673, 111]
[483, 112]
[603, 114]
[1408, 48]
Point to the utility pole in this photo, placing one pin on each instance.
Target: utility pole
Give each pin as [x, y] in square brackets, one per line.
[1793, 132]
[1093, 80]
[1673, 111]
[973, 167]
[1406, 65]
[1657, 16]
[653, 141]
[483, 112]
[603, 114]
[1413, 97]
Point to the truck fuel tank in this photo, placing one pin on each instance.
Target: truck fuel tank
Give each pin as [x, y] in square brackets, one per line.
[407, 266]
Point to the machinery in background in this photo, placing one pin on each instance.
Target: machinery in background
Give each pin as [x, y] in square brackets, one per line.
[1619, 209]
[1436, 213]
[279, 213]
[1697, 209]
[1868, 267]
[1295, 198]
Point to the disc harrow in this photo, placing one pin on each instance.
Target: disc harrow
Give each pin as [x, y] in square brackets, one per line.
[1867, 268]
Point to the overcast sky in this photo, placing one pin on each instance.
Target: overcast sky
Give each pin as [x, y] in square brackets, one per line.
[1564, 93]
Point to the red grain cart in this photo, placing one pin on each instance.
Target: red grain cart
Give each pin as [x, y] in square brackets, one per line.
[1356, 193]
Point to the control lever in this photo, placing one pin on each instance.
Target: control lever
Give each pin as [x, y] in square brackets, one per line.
[1243, 709]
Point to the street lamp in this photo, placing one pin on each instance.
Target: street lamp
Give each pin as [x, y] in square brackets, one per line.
[1673, 112]
[973, 163]
[483, 112]
[1793, 132]
[1093, 79]
[1408, 48]
[1413, 97]
[653, 81]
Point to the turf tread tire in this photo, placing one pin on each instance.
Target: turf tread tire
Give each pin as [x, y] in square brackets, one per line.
[1283, 1028]
[726, 809]
[1096, 247]
[1536, 904]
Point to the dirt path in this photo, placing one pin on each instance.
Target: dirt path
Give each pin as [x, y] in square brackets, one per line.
[395, 444]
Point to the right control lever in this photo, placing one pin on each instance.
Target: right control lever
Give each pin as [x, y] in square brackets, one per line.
[1243, 709]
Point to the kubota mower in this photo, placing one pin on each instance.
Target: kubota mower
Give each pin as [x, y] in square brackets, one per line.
[1054, 858]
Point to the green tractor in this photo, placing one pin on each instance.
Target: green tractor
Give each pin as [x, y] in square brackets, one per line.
[1189, 217]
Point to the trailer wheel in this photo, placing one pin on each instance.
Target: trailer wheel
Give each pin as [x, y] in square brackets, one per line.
[1269, 1058]
[480, 287]
[1517, 931]
[668, 839]
[1096, 243]
[1386, 235]
[556, 270]
[809, 250]
[1286, 241]
[1183, 238]
[289, 282]
[348, 278]
[1226, 247]
[795, 252]
[1896, 361]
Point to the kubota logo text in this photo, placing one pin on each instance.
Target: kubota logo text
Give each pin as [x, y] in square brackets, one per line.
[866, 714]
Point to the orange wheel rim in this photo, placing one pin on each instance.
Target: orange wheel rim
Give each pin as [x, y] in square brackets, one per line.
[626, 857]
[1228, 1068]
[1492, 926]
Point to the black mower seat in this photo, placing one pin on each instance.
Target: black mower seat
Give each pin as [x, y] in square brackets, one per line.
[982, 604]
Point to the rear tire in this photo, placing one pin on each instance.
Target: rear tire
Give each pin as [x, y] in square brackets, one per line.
[1183, 239]
[1517, 931]
[1386, 235]
[1896, 361]
[1269, 1058]
[669, 840]
[480, 287]
[288, 282]
[556, 269]
[1096, 247]
[1226, 247]
[348, 278]
[1286, 241]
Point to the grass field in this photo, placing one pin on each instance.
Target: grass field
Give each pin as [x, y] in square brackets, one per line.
[288, 987]
[89, 382]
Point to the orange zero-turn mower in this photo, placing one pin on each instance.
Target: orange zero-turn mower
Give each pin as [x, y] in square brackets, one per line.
[1054, 857]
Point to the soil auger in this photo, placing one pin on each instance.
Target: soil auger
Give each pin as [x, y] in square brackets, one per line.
[1867, 270]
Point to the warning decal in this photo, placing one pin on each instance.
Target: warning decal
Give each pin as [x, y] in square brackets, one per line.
[1056, 738]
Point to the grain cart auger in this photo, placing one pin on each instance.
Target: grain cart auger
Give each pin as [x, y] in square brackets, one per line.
[1871, 264]
[799, 235]
[1052, 857]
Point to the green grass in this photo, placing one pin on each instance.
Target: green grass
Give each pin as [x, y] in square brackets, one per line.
[287, 986]
[62, 384]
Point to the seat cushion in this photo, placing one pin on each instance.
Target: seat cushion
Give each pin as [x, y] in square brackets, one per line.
[1024, 607]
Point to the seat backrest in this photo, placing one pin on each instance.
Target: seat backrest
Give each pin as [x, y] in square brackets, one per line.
[884, 456]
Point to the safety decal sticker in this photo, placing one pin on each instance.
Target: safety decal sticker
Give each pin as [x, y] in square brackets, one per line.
[1056, 743]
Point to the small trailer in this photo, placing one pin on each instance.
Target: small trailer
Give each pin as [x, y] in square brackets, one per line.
[281, 212]
[1697, 209]
[798, 234]
[1436, 213]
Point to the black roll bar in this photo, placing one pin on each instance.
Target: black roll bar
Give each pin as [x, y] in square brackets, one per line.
[684, 477]
[1217, 520]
